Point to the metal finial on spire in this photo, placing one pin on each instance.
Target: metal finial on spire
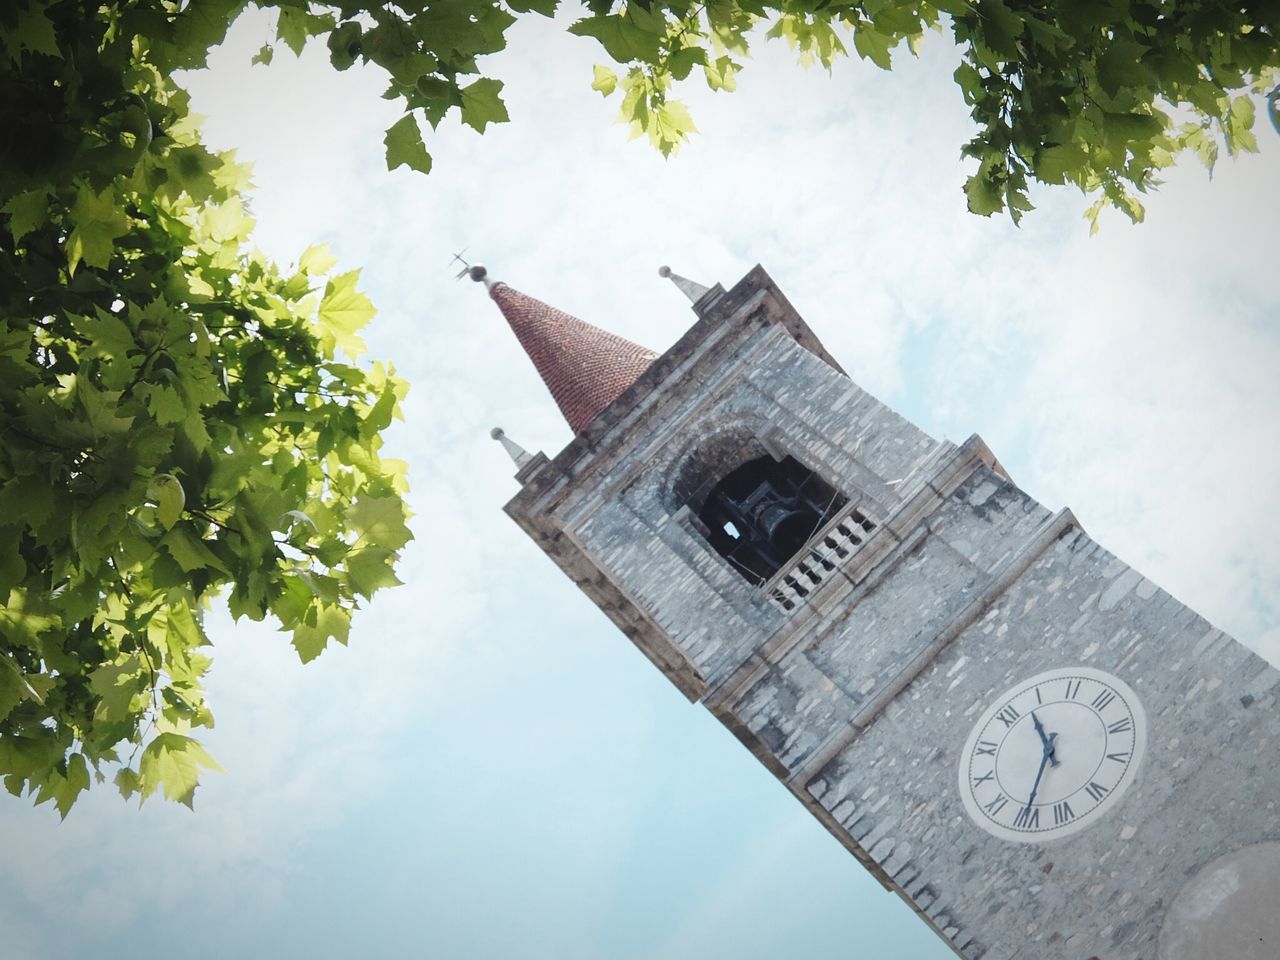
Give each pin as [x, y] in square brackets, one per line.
[518, 454]
[476, 271]
[690, 288]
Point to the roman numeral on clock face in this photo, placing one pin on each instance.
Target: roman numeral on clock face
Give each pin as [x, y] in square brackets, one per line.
[985, 748]
[1028, 818]
[1119, 757]
[1121, 725]
[1062, 813]
[1073, 688]
[1096, 790]
[1101, 700]
[996, 805]
[1008, 715]
[984, 778]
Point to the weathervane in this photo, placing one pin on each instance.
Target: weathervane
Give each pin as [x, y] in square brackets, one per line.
[457, 258]
[477, 272]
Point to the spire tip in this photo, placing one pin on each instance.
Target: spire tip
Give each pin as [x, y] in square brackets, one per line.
[518, 454]
[690, 288]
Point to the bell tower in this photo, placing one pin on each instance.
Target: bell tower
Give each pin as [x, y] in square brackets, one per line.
[1042, 752]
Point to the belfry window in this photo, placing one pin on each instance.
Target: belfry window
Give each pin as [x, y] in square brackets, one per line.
[764, 512]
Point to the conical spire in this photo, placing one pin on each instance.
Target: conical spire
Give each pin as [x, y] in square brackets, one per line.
[584, 367]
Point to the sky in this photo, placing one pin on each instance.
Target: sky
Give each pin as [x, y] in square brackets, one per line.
[490, 771]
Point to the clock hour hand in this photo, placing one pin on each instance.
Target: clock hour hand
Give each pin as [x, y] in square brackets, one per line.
[1046, 740]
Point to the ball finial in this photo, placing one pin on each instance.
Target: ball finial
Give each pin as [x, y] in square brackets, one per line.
[664, 271]
[497, 433]
[477, 272]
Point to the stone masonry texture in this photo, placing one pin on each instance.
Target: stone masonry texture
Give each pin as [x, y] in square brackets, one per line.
[860, 698]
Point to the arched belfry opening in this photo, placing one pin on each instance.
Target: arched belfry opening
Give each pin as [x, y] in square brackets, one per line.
[764, 512]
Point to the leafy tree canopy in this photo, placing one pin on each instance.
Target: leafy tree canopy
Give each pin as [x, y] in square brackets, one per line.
[1101, 94]
[180, 417]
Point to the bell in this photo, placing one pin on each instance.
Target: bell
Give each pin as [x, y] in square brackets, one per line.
[786, 526]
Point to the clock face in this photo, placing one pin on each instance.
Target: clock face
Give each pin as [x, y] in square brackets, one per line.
[1051, 755]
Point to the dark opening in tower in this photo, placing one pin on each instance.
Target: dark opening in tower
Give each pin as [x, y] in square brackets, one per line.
[764, 512]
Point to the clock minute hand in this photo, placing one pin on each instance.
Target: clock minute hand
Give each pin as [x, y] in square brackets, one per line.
[1044, 761]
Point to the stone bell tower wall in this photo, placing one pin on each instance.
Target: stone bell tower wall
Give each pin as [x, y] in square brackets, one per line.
[859, 693]
[612, 509]
[1208, 784]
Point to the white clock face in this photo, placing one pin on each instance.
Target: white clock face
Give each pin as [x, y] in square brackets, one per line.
[1051, 755]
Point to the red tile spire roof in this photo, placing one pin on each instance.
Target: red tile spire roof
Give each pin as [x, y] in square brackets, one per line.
[584, 367]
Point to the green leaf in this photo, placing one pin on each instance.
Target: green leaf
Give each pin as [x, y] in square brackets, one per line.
[190, 551]
[317, 259]
[671, 125]
[620, 37]
[169, 496]
[1059, 163]
[370, 569]
[1129, 127]
[65, 789]
[98, 222]
[343, 311]
[970, 83]
[1121, 66]
[172, 763]
[33, 33]
[546, 8]
[101, 409]
[984, 196]
[1238, 127]
[291, 518]
[482, 105]
[381, 521]
[405, 147]
[116, 684]
[323, 621]
[606, 81]
[292, 29]
[12, 691]
[1001, 28]
[345, 45]
[435, 88]
[107, 335]
[722, 74]
[682, 61]
[27, 211]
[325, 588]
[165, 404]
[297, 24]
[127, 782]
[13, 566]
[191, 169]
[873, 45]
[264, 55]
